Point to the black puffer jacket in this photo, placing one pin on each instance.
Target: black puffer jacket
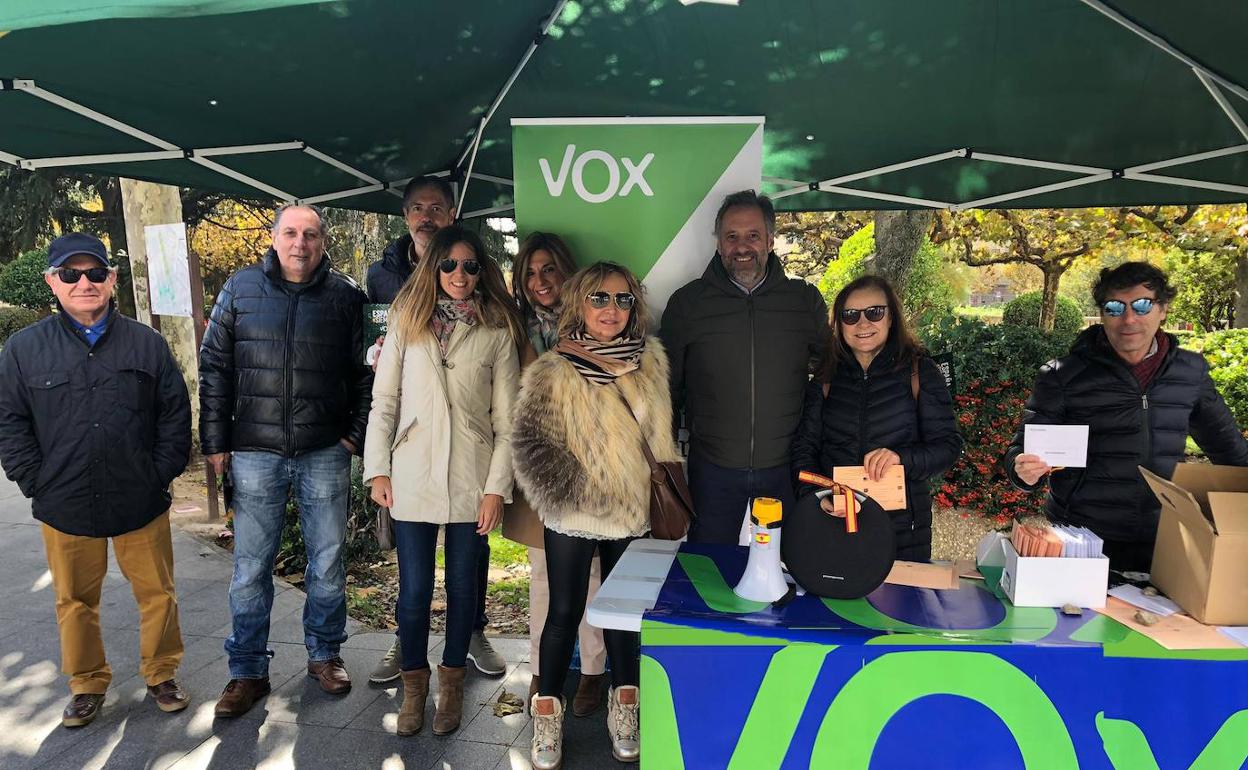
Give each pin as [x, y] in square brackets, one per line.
[94, 435]
[282, 365]
[1128, 427]
[867, 411]
[388, 274]
[740, 362]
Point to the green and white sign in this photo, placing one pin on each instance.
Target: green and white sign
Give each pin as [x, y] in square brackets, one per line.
[639, 191]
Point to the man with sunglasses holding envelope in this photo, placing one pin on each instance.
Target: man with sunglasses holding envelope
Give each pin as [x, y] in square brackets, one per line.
[1140, 396]
[284, 398]
[95, 424]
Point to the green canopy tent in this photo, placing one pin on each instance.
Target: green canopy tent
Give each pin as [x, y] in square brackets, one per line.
[869, 103]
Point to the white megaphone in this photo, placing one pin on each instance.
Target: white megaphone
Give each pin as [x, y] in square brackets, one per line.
[763, 580]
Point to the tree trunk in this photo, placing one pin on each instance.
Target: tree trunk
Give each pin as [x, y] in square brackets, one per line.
[1241, 289]
[1048, 299]
[898, 236]
[115, 224]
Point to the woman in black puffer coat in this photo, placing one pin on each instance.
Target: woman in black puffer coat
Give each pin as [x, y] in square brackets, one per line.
[879, 401]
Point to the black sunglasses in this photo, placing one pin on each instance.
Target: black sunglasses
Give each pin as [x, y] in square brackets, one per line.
[471, 266]
[1116, 307]
[851, 316]
[71, 275]
[599, 299]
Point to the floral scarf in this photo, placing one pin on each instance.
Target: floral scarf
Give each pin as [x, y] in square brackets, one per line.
[543, 328]
[448, 312]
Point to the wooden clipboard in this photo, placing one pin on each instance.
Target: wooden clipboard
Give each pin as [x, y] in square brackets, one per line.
[889, 492]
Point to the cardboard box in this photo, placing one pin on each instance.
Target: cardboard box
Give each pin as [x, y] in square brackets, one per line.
[1053, 581]
[1201, 557]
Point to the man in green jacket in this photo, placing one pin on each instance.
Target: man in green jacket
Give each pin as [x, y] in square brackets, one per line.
[742, 340]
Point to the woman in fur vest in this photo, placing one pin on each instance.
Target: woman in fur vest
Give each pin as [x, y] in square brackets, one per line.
[437, 452]
[584, 409]
[539, 272]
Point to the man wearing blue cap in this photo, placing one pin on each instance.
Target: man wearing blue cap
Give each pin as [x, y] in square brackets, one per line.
[95, 424]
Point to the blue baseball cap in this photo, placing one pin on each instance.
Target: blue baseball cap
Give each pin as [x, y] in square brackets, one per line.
[71, 244]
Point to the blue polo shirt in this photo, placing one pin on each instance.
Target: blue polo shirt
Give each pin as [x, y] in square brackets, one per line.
[93, 332]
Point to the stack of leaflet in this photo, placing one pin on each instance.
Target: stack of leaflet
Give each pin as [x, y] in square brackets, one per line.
[1060, 541]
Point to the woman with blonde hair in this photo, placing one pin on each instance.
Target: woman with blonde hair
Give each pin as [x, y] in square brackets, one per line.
[437, 452]
[539, 271]
[585, 408]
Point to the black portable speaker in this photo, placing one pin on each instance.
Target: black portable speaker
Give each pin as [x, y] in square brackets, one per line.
[827, 560]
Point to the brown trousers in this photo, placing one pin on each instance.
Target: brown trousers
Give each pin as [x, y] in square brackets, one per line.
[78, 564]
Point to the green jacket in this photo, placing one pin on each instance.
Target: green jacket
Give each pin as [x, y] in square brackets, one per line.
[740, 362]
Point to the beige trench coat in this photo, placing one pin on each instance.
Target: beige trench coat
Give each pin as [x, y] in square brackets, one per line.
[440, 428]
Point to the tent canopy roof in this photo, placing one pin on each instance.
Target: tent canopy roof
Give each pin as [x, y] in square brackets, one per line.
[1063, 100]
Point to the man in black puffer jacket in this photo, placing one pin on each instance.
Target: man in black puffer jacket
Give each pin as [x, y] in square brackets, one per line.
[284, 399]
[1140, 396]
[742, 341]
[428, 206]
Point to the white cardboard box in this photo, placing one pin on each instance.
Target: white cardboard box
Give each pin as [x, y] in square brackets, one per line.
[1053, 581]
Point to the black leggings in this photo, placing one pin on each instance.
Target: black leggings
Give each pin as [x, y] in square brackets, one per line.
[568, 561]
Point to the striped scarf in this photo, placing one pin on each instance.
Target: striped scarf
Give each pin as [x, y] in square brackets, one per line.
[601, 362]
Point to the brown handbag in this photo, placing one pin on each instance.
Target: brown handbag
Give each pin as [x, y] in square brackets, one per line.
[671, 504]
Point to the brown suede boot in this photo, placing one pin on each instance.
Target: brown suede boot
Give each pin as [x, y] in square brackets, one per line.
[415, 694]
[450, 708]
[588, 695]
[535, 682]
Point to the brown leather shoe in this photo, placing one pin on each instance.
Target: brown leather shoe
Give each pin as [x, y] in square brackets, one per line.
[588, 695]
[240, 695]
[331, 674]
[169, 696]
[450, 706]
[82, 709]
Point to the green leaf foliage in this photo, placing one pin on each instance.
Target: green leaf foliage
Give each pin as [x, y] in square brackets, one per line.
[1227, 354]
[13, 319]
[928, 295]
[22, 284]
[1024, 310]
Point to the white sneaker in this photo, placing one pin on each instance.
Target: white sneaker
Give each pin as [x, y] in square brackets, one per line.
[623, 722]
[547, 750]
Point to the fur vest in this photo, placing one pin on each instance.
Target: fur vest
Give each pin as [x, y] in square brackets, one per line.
[577, 449]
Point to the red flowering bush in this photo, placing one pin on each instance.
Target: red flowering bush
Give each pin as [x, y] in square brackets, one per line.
[994, 367]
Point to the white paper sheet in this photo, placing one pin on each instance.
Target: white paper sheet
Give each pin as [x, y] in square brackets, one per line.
[1134, 595]
[168, 271]
[1238, 633]
[1061, 446]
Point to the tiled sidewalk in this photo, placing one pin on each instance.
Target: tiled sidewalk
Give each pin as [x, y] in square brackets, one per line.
[297, 726]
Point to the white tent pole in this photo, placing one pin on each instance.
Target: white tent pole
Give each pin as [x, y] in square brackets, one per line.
[538, 39]
[1101, 177]
[29, 87]
[924, 161]
[1185, 159]
[1222, 101]
[922, 202]
[783, 181]
[1051, 165]
[476, 144]
[344, 194]
[231, 173]
[488, 212]
[83, 160]
[10, 158]
[248, 149]
[494, 179]
[322, 157]
[1157, 41]
[1180, 182]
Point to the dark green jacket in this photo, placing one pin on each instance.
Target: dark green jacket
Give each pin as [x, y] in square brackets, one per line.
[740, 362]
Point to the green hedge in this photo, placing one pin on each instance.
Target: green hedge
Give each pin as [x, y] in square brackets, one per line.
[1024, 310]
[13, 319]
[1227, 354]
[22, 284]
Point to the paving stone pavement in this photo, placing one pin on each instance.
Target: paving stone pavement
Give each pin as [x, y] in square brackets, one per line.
[297, 726]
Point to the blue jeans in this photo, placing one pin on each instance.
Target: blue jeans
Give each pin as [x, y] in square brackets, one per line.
[417, 542]
[721, 494]
[321, 484]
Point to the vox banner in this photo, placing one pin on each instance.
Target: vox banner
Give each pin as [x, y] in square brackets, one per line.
[639, 191]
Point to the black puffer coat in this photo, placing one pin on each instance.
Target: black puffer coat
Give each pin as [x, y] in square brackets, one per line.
[282, 365]
[1128, 427]
[877, 409]
[740, 361]
[388, 274]
[94, 435]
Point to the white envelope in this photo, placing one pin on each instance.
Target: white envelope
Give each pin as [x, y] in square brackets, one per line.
[1061, 446]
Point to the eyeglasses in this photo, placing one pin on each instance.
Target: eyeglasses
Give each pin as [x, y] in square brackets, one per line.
[471, 266]
[71, 275]
[600, 299]
[851, 316]
[1116, 307]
